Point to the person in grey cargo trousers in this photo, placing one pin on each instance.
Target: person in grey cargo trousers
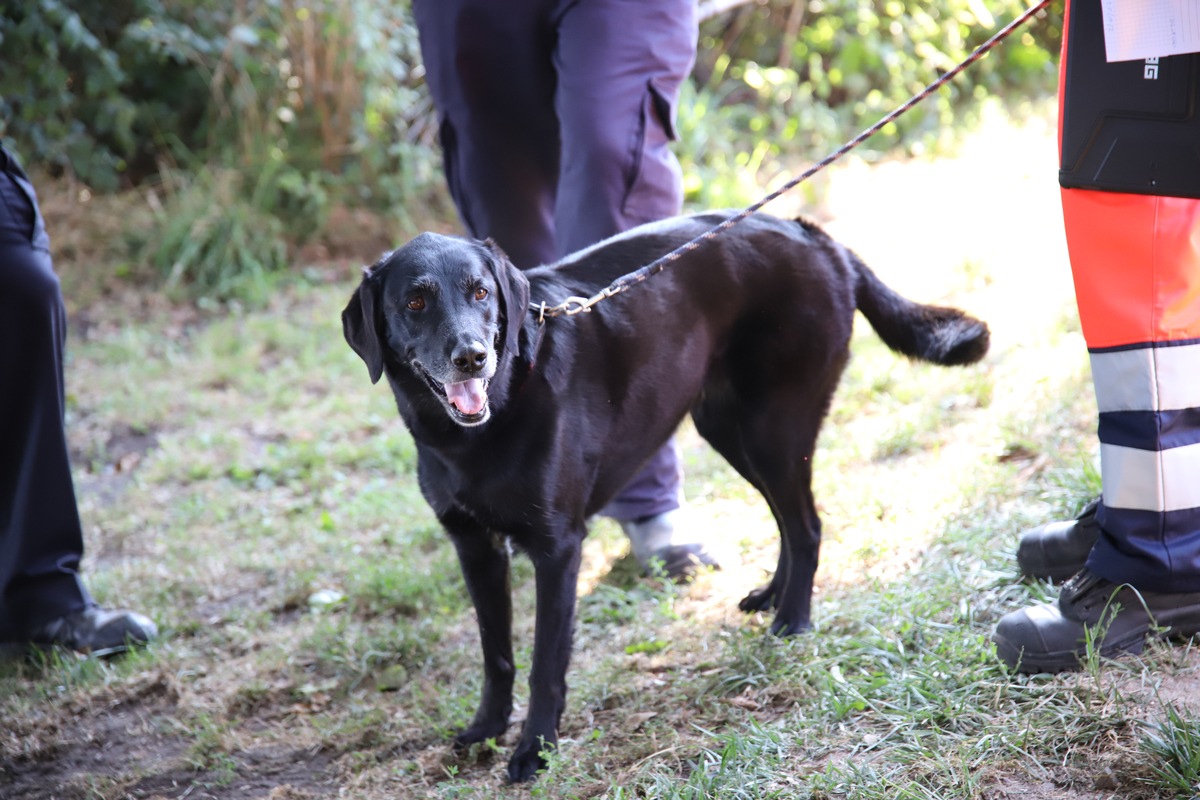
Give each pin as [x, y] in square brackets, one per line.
[556, 122]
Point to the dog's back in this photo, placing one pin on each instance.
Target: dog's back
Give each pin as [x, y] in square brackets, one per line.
[764, 267]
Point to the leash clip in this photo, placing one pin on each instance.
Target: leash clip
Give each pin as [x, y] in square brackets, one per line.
[574, 304]
[579, 305]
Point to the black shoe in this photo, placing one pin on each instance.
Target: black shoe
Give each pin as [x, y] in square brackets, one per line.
[1052, 637]
[651, 540]
[96, 630]
[681, 562]
[1057, 550]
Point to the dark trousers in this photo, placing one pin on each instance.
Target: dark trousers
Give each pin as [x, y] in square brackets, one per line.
[556, 119]
[41, 539]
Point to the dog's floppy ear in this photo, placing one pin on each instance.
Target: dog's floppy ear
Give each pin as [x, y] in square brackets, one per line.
[360, 323]
[514, 294]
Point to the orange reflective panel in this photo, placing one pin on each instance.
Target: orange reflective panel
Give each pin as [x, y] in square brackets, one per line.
[1136, 264]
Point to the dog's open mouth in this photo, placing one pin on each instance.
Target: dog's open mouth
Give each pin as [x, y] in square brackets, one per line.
[469, 398]
[466, 401]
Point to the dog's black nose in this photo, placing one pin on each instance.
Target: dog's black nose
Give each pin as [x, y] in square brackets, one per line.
[470, 357]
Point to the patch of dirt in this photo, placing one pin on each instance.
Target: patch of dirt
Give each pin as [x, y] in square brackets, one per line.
[135, 748]
[274, 773]
[121, 452]
[84, 746]
[108, 458]
[352, 234]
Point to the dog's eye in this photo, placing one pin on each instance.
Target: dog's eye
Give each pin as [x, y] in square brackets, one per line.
[416, 302]
[481, 293]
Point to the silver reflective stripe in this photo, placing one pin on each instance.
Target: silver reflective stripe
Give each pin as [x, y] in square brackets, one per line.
[1146, 480]
[1147, 379]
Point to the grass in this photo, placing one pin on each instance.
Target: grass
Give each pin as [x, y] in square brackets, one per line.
[317, 640]
[1173, 744]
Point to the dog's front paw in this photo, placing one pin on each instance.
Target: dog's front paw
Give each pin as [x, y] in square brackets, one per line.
[527, 759]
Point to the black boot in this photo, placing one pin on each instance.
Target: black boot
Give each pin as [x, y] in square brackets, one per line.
[1057, 550]
[1053, 637]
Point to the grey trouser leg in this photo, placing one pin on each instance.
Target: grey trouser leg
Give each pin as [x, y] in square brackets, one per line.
[556, 117]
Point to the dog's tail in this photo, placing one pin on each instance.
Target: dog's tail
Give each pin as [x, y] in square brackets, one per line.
[939, 334]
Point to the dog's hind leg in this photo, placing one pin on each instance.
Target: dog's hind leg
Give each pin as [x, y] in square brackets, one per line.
[770, 441]
[766, 598]
[800, 543]
[484, 559]
[786, 485]
[727, 427]
[785, 480]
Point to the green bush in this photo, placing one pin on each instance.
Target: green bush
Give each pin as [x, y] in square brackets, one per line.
[797, 78]
[213, 242]
[99, 88]
[284, 108]
[278, 109]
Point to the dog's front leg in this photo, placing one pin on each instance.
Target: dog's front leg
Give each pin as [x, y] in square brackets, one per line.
[556, 574]
[485, 566]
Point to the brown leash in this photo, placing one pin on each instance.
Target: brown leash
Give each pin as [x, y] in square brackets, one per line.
[576, 305]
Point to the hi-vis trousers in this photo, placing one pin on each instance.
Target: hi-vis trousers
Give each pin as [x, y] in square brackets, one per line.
[1135, 258]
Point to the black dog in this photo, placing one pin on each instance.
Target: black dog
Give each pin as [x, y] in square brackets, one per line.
[525, 428]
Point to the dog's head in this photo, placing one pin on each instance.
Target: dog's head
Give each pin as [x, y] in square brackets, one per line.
[446, 308]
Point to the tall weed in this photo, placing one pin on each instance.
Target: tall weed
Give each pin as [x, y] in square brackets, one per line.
[212, 241]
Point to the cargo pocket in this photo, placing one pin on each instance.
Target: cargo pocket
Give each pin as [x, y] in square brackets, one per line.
[655, 187]
[23, 220]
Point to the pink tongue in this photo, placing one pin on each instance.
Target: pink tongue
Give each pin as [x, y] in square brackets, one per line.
[468, 396]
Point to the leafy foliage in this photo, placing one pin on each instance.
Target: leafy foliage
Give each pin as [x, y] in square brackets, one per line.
[216, 242]
[102, 88]
[282, 109]
[793, 78]
[252, 119]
